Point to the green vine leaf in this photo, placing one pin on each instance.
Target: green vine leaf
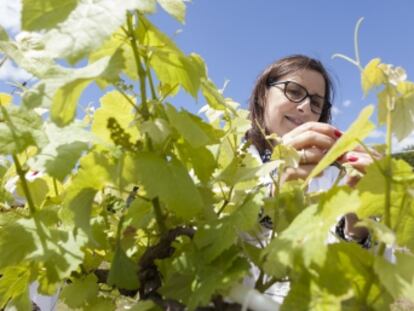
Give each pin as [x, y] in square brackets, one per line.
[19, 129]
[97, 169]
[66, 98]
[16, 243]
[124, 272]
[194, 130]
[94, 22]
[160, 178]
[66, 145]
[397, 278]
[80, 291]
[14, 284]
[46, 14]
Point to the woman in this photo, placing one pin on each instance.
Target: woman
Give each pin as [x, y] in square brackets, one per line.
[292, 98]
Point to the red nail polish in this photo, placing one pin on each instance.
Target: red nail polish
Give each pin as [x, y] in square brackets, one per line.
[338, 133]
[352, 158]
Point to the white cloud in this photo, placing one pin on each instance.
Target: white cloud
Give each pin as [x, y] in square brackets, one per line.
[347, 103]
[376, 134]
[399, 146]
[9, 72]
[10, 15]
[335, 111]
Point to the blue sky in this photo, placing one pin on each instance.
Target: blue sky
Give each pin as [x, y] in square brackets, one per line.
[238, 38]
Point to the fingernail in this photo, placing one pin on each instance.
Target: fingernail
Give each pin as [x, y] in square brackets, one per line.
[338, 133]
[352, 158]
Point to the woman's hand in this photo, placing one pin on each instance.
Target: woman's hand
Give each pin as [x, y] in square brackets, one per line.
[359, 159]
[312, 140]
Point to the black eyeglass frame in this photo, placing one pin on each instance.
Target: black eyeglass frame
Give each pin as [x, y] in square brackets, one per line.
[326, 103]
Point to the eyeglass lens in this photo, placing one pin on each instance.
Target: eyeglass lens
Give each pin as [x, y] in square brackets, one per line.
[297, 93]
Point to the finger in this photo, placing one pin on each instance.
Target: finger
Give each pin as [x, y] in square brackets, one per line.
[310, 139]
[311, 155]
[375, 154]
[351, 181]
[323, 128]
[301, 172]
[358, 160]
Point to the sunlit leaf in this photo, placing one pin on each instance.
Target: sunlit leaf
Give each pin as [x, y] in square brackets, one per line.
[170, 64]
[174, 7]
[19, 129]
[46, 14]
[372, 76]
[5, 99]
[403, 113]
[397, 278]
[13, 283]
[66, 98]
[64, 149]
[93, 22]
[114, 105]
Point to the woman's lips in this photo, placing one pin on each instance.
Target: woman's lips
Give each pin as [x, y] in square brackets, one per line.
[294, 120]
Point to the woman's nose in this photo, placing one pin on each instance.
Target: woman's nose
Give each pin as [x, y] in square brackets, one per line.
[304, 105]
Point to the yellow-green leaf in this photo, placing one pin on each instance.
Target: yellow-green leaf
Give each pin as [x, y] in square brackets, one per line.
[114, 105]
[13, 283]
[372, 76]
[403, 113]
[170, 64]
[5, 99]
[175, 8]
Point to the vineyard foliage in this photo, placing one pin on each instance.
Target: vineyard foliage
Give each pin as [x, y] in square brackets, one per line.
[141, 205]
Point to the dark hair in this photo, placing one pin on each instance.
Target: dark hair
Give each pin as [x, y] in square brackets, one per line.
[274, 72]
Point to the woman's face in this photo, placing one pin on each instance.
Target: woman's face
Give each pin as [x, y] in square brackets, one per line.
[282, 115]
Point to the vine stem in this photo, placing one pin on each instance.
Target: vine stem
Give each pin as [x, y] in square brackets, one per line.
[356, 44]
[357, 60]
[140, 69]
[347, 58]
[388, 188]
[226, 200]
[25, 186]
[126, 97]
[55, 187]
[151, 81]
[158, 216]
[388, 169]
[119, 230]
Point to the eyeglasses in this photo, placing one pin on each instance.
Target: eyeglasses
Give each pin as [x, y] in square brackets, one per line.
[297, 93]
